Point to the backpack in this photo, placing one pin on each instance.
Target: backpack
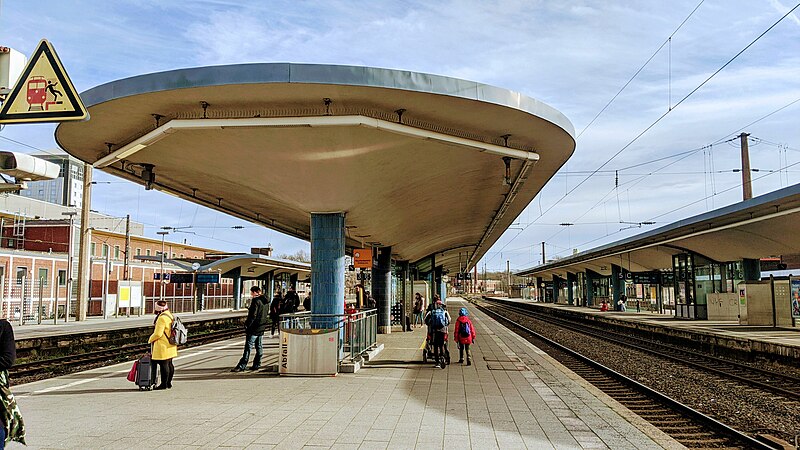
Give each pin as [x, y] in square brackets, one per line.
[438, 319]
[179, 335]
[263, 313]
[464, 330]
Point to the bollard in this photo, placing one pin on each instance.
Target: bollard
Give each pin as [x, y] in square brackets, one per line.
[41, 294]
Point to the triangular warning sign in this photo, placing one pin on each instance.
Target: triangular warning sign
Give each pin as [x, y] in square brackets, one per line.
[44, 92]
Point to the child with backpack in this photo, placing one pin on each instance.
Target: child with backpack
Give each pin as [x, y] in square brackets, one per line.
[437, 320]
[464, 335]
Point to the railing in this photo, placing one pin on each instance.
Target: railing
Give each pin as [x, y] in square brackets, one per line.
[358, 332]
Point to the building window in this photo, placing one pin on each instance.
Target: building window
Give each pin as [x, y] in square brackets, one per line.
[62, 277]
[138, 251]
[22, 273]
[43, 276]
[148, 252]
[181, 255]
[105, 249]
[94, 249]
[116, 252]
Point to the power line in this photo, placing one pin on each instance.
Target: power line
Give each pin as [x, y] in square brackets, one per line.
[642, 133]
[640, 69]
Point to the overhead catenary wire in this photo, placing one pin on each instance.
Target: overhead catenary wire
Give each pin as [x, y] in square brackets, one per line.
[662, 116]
[669, 38]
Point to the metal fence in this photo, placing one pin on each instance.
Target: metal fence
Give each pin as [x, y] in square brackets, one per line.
[34, 301]
[358, 331]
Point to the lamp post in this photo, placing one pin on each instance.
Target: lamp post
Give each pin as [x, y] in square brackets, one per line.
[68, 297]
[161, 275]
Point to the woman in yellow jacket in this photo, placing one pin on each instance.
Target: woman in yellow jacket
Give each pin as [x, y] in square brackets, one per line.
[163, 350]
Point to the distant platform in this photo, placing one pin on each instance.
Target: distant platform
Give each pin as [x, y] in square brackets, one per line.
[513, 396]
[782, 342]
[99, 325]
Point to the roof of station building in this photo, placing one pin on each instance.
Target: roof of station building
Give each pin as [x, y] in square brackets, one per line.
[414, 160]
[756, 228]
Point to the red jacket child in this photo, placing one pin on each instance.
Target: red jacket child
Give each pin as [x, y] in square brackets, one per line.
[463, 318]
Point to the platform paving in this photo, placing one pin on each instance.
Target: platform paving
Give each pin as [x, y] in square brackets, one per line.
[513, 396]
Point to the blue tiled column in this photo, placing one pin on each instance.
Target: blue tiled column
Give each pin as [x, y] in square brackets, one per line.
[237, 288]
[556, 287]
[327, 263]
[571, 278]
[381, 289]
[616, 285]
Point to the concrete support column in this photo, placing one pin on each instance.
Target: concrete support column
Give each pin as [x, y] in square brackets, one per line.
[590, 277]
[327, 263]
[436, 288]
[237, 287]
[382, 289]
[404, 294]
[571, 279]
[540, 289]
[751, 269]
[269, 285]
[556, 287]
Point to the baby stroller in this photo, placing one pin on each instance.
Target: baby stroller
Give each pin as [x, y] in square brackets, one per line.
[427, 352]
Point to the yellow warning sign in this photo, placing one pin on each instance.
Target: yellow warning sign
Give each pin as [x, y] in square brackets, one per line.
[44, 92]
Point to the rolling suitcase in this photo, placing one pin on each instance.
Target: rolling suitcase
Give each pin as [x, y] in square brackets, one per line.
[145, 375]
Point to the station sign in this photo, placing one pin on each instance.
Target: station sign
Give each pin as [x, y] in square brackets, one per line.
[464, 276]
[646, 277]
[159, 276]
[44, 92]
[182, 278]
[208, 278]
[362, 258]
[364, 276]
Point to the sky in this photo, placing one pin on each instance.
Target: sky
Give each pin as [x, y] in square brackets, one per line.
[661, 146]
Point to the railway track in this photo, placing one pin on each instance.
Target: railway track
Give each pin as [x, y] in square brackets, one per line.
[686, 425]
[778, 383]
[51, 367]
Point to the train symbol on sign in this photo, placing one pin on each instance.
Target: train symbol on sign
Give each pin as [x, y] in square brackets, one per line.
[38, 88]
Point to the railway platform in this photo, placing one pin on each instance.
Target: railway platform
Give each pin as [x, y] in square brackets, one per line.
[513, 396]
[100, 325]
[778, 342]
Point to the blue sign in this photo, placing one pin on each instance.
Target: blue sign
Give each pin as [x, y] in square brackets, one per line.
[209, 278]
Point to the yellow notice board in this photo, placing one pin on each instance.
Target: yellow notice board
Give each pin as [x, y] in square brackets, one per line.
[44, 92]
[362, 258]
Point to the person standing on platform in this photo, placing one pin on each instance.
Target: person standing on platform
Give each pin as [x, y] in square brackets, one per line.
[255, 325]
[275, 307]
[418, 309]
[307, 302]
[13, 428]
[292, 301]
[464, 335]
[163, 350]
[621, 302]
[437, 320]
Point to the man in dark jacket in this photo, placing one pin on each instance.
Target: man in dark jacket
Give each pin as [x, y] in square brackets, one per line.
[255, 324]
[292, 301]
[275, 311]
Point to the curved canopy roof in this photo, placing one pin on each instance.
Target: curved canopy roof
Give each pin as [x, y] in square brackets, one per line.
[757, 228]
[416, 161]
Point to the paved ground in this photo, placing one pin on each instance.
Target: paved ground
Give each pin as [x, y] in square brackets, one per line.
[513, 396]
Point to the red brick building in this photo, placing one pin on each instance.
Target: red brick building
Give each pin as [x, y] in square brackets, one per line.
[34, 260]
